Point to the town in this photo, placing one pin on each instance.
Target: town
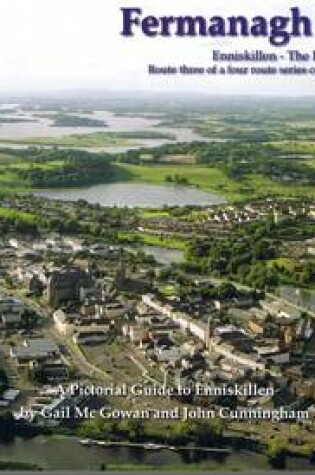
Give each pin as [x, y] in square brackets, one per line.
[85, 308]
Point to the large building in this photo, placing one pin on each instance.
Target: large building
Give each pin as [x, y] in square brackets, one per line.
[67, 285]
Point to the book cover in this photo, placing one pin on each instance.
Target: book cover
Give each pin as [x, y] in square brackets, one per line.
[157, 235]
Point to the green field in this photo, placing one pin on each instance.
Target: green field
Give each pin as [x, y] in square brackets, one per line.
[160, 240]
[10, 165]
[301, 146]
[153, 213]
[287, 262]
[14, 214]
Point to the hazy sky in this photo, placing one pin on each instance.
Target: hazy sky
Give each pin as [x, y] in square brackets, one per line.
[71, 44]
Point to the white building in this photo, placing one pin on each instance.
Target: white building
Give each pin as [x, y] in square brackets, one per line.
[197, 328]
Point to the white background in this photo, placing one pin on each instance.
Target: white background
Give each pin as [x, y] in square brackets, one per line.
[76, 44]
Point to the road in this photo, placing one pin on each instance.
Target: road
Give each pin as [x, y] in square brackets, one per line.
[85, 367]
[78, 359]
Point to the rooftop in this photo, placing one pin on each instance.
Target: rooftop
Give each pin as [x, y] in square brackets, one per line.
[36, 347]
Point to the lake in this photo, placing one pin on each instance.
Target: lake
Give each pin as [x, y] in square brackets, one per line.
[36, 126]
[134, 195]
[42, 126]
[65, 453]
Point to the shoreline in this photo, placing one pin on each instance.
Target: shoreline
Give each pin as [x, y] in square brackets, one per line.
[231, 458]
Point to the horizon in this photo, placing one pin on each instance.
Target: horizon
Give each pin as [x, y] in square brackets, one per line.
[77, 93]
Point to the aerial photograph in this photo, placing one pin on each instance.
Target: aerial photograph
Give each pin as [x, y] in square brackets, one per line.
[157, 251]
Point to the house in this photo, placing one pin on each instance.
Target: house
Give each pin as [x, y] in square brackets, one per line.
[11, 312]
[167, 354]
[190, 348]
[9, 304]
[14, 243]
[256, 326]
[250, 360]
[290, 313]
[76, 245]
[311, 250]
[89, 337]
[288, 329]
[113, 310]
[274, 355]
[232, 370]
[131, 283]
[32, 278]
[194, 362]
[11, 320]
[29, 254]
[34, 349]
[304, 388]
[281, 311]
[54, 371]
[70, 323]
[136, 333]
[9, 396]
[63, 322]
[160, 325]
[271, 308]
[187, 324]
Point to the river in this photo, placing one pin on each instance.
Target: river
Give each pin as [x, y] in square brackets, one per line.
[135, 195]
[65, 453]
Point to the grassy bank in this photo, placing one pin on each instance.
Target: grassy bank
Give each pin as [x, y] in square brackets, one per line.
[21, 466]
[191, 467]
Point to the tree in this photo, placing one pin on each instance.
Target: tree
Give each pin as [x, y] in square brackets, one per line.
[276, 451]
[98, 429]
[227, 291]
[135, 430]
[182, 431]
[7, 427]
[202, 433]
